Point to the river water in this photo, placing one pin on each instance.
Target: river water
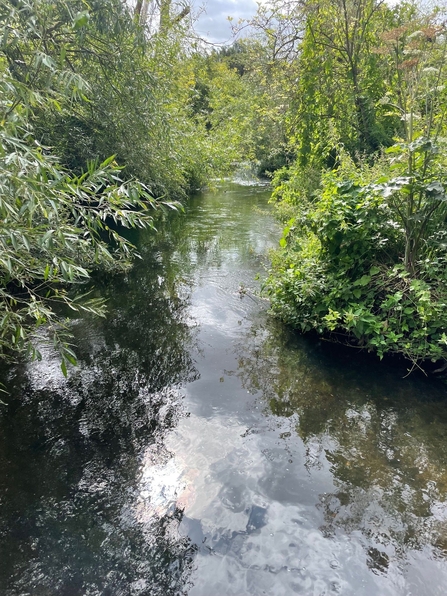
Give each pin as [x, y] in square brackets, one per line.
[202, 448]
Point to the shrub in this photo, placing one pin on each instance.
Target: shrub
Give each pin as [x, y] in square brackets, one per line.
[340, 271]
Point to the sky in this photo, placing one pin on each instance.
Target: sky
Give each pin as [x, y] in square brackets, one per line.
[213, 21]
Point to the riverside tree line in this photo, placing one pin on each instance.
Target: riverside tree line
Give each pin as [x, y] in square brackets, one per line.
[106, 120]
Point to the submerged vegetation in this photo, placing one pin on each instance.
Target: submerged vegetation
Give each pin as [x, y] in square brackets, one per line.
[107, 118]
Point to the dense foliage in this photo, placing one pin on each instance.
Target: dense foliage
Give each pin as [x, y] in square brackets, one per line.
[105, 117]
[56, 225]
[97, 129]
[363, 256]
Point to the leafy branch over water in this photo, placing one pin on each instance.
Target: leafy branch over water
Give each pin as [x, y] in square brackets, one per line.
[56, 227]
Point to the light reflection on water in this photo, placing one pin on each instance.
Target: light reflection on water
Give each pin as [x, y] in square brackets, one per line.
[202, 448]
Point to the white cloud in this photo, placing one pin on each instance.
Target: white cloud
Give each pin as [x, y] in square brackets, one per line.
[213, 21]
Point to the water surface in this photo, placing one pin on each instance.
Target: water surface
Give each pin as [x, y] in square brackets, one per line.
[202, 448]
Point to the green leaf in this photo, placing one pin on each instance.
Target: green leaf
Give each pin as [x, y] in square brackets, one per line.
[81, 19]
[71, 358]
[423, 145]
[64, 368]
[396, 148]
[435, 190]
[363, 281]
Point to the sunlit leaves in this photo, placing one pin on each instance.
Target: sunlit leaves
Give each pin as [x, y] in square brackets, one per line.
[56, 227]
[81, 19]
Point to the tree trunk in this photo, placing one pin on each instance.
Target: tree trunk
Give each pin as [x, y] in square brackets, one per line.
[165, 15]
[137, 12]
[143, 17]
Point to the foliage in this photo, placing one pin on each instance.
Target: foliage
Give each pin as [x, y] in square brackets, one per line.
[341, 78]
[340, 272]
[56, 226]
[363, 255]
[417, 95]
[79, 83]
[266, 62]
[133, 101]
[342, 101]
[240, 98]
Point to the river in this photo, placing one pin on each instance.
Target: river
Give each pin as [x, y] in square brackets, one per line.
[201, 448]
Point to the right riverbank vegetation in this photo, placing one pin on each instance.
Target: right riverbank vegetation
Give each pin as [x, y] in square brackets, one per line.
[112, 113]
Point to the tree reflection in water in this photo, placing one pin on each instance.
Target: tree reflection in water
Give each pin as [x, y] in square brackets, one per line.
[72, 452]
[384, 443]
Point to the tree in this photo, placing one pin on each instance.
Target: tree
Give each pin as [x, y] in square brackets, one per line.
[341, 77]
[56, 226]
[134, 102]
[363, 256]
[164, 8]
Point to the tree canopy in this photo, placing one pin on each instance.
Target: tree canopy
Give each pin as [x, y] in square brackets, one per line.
[109, 113]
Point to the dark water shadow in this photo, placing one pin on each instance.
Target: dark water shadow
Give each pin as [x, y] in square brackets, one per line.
[382, 437]
[74, 519]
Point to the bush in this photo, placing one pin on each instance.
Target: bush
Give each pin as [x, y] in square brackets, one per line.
[340, 272]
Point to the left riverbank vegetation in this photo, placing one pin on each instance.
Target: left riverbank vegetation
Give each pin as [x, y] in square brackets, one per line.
[110, 114]
[103, 124]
